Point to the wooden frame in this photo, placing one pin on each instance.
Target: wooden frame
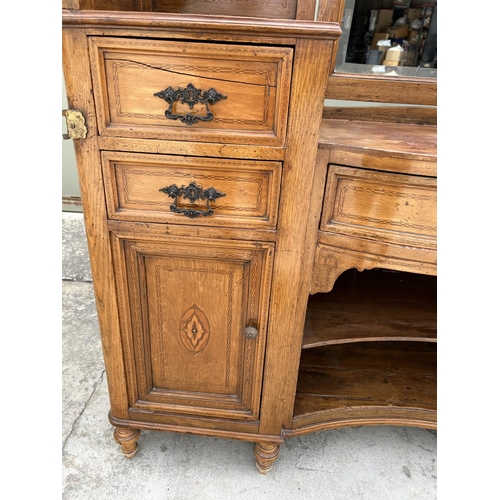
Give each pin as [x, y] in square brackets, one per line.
[304, 9]
[165, 285]
[402, 90]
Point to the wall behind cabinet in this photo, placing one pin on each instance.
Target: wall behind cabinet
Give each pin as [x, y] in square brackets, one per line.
[70, 186]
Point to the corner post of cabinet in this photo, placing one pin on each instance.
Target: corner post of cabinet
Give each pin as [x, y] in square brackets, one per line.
[294, 255]
[80, 97]
[332, 11]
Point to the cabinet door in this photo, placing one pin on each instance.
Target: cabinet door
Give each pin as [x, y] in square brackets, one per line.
[186, 305]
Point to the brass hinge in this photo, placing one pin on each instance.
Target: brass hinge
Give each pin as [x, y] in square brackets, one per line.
[75, 124]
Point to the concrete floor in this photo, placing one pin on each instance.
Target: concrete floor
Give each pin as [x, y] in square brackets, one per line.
[372, 463]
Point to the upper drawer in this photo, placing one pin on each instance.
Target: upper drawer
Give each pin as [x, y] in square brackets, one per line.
[173, 189]
[211, 92]
[386, 207]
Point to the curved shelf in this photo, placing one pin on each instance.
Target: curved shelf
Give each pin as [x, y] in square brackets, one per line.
[376, 305]
[366, 384]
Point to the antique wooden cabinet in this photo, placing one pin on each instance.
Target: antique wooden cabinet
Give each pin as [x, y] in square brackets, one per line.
[220, 211]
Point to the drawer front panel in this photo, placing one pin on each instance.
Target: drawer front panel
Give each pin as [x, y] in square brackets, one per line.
[386, 207]
[134, 182]
[248, 103]
[185, 344]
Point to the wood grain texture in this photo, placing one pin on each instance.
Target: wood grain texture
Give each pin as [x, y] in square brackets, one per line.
[374, 383]
[192, 148]
[282, 9]
[185, 303]
[382, 248]
[386, 114]
[291, 271]
[133, 182]
[184, 424]
[373, 306]
[227, 26]
[305, 9]
[331, 11]
[254, 82]
[79, 92]
[331, 261]
[385, 207]
[401, 90]
[156, 232]
[175, 295]
[265, 455]
[127, 438]
[73, 4]
[394, 147]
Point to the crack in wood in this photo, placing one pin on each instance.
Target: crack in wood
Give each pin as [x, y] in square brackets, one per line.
[192, 75]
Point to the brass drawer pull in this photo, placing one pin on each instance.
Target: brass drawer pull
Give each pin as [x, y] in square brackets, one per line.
[190, 96]
[75, 124]
[192, 193]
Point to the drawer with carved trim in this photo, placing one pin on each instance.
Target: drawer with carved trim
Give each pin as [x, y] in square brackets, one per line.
[385, 207]
[191, 91]
[191, 190]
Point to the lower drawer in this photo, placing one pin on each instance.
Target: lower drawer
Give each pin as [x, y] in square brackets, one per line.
[190, 190]
[387, 207]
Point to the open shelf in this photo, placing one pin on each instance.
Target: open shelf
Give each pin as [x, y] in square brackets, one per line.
[367, 383]
[375, 305]
[369, 353]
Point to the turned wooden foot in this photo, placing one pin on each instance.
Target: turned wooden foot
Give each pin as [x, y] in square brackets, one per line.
[127, 438]
[265, 454]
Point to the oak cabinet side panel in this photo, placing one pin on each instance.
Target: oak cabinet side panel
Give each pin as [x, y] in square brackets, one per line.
[79, 91]
[293, 262]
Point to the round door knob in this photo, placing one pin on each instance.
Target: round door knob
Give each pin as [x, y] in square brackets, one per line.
[250, 332]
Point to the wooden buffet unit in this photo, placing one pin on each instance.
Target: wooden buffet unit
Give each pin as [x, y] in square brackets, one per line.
[261, 270]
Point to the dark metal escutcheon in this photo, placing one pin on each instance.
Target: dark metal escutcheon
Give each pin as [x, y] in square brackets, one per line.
[190, 96]
[192, 193]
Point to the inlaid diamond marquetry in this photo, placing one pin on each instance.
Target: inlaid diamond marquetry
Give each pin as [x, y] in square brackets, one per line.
[194, 329]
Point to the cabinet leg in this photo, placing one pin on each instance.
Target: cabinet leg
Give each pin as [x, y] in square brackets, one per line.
[127, 438]
[265, 454]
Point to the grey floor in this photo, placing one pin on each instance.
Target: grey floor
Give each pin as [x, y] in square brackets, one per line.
[379, 463]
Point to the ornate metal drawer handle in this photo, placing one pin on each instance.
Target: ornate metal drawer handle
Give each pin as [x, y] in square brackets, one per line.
[190, 96]
[192, 193]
